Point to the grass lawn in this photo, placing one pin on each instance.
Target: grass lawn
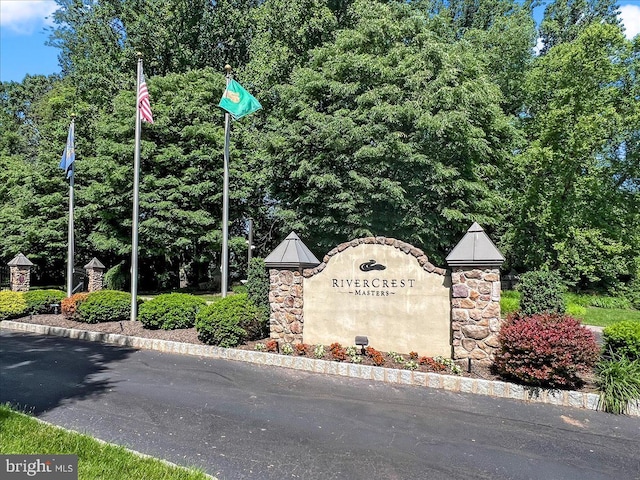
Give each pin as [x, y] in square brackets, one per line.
[21, 434]
[602, 317]
[590, 315]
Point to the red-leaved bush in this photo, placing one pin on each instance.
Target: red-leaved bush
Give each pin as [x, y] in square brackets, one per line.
[545, 350]
[69, 305]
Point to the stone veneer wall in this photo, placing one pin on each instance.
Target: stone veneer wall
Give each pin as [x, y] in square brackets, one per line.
[96, 277]
[285, 296]
[475, 302]
[20, 280]
[475, 312]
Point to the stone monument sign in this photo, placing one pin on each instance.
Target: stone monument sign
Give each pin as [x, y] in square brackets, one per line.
[383, 289]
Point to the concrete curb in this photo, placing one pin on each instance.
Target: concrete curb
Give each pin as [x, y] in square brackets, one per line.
[450, 383]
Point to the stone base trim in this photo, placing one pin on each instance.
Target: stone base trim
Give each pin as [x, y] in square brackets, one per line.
[450, 383]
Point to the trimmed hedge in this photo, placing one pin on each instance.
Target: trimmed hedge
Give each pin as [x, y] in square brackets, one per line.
[258, 288]
[541, 292]
[546, 350]
[228, 322]
[105, 306]
[40, 301]
[622, 339]
[12, 304]
[170, 311]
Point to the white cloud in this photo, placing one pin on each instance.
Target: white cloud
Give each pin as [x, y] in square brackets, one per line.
[25, 16]
[630, 16]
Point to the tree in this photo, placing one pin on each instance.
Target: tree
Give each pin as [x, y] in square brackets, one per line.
[565, 20]
[578, 212]
[388, 131]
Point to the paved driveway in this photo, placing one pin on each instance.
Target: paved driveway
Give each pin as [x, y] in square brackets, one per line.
[240, 421]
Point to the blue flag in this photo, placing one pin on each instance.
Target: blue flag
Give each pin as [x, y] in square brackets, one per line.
[69, 153]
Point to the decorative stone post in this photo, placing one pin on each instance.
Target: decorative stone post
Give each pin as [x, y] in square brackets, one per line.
[20, 270]
[285, 265]
[95, 272]
[475, 296]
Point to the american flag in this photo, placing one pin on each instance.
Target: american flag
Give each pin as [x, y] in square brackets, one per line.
[143, 102]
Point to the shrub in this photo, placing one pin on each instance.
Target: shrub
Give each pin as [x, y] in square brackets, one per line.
[40, 301]
[301, 348]
[618, 380]
[574, 310]
[115, 278]
[170, 311]
[69, 305]
[227, 322]
[258, 288]
[12, 305]
[105, 306]
[546, 350]
[622, 339]
[541, 292]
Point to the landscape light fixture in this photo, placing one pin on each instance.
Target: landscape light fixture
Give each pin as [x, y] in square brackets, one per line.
[362, 341]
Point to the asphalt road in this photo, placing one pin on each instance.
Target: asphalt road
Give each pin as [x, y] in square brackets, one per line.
[241, 421]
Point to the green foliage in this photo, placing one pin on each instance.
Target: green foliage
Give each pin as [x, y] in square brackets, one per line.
[575, 184]
[115, 278]
[509, 302]
[228, 322]
[380, 118]
[541, 292]
[601, 301]
[258, 288]
[12, 304]
[40, 301]
[618, 380]
[622, 339]
[170, 311]
[375, 116]
[577, 311]
[105, 306]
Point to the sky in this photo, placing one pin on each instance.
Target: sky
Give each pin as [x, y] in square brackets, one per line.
[23, 35]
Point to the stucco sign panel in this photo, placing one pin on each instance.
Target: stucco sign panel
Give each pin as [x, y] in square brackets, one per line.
[382, 292]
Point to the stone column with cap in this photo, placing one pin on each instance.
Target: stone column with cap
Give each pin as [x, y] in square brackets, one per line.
[20, 273]
[95, 272]
[286, 287]
[475, 296]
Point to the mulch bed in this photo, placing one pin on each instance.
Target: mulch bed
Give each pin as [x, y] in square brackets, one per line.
[189, 335]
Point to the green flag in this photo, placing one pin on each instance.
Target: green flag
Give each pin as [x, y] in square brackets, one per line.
[237, 101]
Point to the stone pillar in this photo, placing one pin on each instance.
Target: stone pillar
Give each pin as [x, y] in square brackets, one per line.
[95, 272]
[286, 321]
[20, 273]
[475, 296]
[475, 312]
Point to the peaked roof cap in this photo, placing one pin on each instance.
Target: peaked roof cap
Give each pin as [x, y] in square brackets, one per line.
[475, 249]
[94, 263]
[20, 261]
[291, 253]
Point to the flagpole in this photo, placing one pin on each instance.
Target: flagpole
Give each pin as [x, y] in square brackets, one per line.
[70, 239]
[225, 197]
[136, 206]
